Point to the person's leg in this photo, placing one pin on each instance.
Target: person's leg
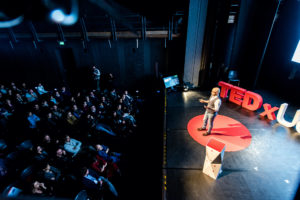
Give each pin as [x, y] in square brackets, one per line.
[203, 127]
[211, 118]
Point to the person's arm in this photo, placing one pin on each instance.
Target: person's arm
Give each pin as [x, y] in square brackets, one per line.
[69, 148]
[203, 101]
[77, 143]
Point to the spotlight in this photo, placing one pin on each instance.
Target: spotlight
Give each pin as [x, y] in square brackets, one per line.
[296, 56]
[57, 16]
[185, 88]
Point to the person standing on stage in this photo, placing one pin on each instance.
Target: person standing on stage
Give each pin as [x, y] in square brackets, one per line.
[96, 75]
[212, 108]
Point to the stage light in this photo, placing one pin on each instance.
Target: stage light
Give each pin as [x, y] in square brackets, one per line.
[11, 23]
[296, 56]
[185, 88]
[61, 43]
[57, 15]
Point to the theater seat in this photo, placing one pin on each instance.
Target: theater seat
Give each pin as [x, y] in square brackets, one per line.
[233, 77]
[82, 195]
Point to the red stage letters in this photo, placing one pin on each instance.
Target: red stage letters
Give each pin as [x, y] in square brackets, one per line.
[253, 101]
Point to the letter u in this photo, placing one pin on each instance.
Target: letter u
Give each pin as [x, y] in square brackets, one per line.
[282, 121]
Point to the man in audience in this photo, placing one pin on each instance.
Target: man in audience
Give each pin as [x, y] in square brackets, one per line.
[103, 151]
[31, 96]
[96, 77]
[40, 89]
[72, 146]
[33, 119]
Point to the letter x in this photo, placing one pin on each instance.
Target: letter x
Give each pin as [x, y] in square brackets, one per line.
[269, 111]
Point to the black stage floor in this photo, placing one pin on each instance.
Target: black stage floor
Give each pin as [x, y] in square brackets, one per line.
[268, 169]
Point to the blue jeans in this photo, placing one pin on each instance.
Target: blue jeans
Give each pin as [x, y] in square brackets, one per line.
[209, 117]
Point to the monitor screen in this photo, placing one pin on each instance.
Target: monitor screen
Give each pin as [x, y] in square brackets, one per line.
[171, 81]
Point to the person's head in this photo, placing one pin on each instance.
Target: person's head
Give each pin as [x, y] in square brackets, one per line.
[49, 115]
[69, 114]
[75, 107]
[84, 104]
[24, 85]
[99, 147]
[39, 149]
[215, 91]
[55, 107]
[119, 107]
[59, 153]
[47, 138]
[93, 109]
[36, 185]
[36, 107]
[63, 88]
[67, 138]
[29, 113]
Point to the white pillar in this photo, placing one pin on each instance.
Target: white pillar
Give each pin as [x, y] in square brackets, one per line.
[194, 41]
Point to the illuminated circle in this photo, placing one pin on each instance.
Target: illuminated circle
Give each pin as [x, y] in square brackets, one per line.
[57, 15]
[227, 130]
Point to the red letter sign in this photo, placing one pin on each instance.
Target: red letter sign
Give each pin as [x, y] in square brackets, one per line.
[248, 104]
[236, 95]
[269, 111]
[224, 88]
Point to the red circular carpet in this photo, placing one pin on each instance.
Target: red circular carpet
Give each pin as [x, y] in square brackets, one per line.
[227, 130]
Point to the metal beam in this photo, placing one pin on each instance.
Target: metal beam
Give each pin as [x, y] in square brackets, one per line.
[144, 27]
[61, 35]
[83, 29]
[170, 29]
[12, 35]
[99, 35]
[36, 39]
[113, 29]
[84, 33]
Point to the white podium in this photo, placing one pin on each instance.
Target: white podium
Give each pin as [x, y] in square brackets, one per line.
[214, 156]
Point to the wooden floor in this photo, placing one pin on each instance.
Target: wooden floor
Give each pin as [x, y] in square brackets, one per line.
[268, 169]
